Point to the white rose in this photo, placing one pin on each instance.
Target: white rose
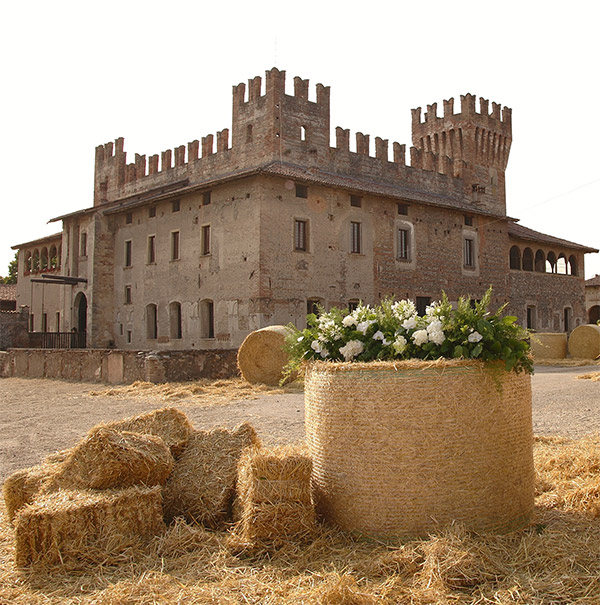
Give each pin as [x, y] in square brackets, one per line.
[420, 337]
[474, 337]
[410, 323]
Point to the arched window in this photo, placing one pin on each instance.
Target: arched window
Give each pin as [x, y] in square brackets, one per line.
[35, 266]
[27, 265]
[527, 260]
[551, 262]
[151, 322]
[53, 257]
[540, 261]
[44, 262]
[303, 133]
[561, 264]
[175, 324]
[207, 319]
[59, 255]
[572, 265]
[515, 258]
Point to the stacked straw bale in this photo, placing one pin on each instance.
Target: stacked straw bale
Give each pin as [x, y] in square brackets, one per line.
[201, 487]
[274, 496]
[86, 526]
[549, 345]
[170, 424]
[107, 459]
[584, 342]
[262, 357]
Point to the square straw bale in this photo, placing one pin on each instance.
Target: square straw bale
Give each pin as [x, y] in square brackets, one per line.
[171, 424]
[202, 485]
[275, 475]
[23, 486]
[107, 459]
[86, 526]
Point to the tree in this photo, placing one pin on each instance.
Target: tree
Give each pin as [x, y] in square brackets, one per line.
[11, 278]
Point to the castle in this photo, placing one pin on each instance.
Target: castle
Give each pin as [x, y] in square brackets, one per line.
[196, 248]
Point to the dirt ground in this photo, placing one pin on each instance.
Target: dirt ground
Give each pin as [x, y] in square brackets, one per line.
[39, 416]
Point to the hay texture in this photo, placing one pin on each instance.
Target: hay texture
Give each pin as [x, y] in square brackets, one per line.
[274, 496]
[261, 357]
[86, 526]
[107, 459]
[402, 448]
[549, 345]
[584, 342]
[170, 424]
[202, 485]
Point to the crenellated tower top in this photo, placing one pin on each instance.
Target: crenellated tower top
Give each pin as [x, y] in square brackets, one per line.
[477, 142]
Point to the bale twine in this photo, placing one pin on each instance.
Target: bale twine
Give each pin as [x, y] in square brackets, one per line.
[261, 357]
[170, 424]
[549, 345]
[584, 342]
[274, 496]
[403, 448]
[201, 487]
[108, 459]
[85, 526]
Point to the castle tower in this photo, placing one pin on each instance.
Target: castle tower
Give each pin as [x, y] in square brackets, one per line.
[477, 144]
[275, 125]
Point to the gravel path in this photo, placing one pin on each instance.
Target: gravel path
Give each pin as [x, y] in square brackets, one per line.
[39, 416]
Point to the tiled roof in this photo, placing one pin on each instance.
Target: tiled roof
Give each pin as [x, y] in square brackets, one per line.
[39, 242]
[8, 292]
[520, 232]
[593, 281]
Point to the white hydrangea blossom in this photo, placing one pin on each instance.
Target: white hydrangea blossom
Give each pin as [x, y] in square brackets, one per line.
[363, 326]
[352, 349]
[399, 344]
[410, 323]
[420, 337]
[403, 309]
[474, 337]
[437, 337]
[348, 321]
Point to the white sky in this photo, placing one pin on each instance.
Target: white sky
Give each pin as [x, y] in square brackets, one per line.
[78, 74]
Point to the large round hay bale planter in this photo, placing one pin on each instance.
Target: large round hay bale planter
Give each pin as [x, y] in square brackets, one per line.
[262, 357]
[403, 448]
[584, 342]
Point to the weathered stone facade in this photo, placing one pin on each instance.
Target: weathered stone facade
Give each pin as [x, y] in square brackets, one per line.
[195, 249]
[592, 299]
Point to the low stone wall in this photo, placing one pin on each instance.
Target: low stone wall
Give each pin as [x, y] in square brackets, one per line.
[118, 367]
[13, 329]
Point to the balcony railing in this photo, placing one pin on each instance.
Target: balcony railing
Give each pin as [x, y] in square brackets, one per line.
[57, 340]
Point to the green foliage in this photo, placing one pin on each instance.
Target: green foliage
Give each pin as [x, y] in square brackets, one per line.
[11, 278]
[393, 330]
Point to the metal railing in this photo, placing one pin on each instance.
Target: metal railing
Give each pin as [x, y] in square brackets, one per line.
[57, 340]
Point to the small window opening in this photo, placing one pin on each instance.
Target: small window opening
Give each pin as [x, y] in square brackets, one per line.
[151, 249]
[468, 220]
[175, 245]
[356, 201]
[355, 237]
[302, 133]
[403, 244]
[301, 235]
[128, 258]
[207, 319]
[469, 252]
[152, 211]
[531, 318]
[175, 320]
[403, 209]
[205, 240]
[422, 303]
[175, 206]
[312, 306]
[352, 305]
[127, 295]
[301, 190]
[129, 218]
[206, 198]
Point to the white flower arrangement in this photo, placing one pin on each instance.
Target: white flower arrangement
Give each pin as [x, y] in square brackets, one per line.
[394, 330]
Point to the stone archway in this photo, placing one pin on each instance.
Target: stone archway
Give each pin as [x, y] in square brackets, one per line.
[594, 314]
[79, 321]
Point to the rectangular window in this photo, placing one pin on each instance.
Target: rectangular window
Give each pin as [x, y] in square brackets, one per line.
[403, 209]
[151, 249]
[468, 220]
[355, 237]
[469, 252]
[58, 321]
[422, 303]
[174, 245]
[31, 322]
[531, 318]
[152, 211]
[127, 295]
[129, 337]
[352, 305]
[403, 244]
[205, 240]
[121, 332]
[175, 206]
[83, 244]
[301, 190]
[128, 218]
[128, 258]
[206, 198]
[44, 322]
[356, 201]
[300, 235]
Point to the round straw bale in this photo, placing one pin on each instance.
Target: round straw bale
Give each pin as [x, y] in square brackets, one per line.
[110, 459]
[584, 342]
[202, 485]
[402, 448]
[262, 357]
[86, 526]
[170, 424]
[549, 345]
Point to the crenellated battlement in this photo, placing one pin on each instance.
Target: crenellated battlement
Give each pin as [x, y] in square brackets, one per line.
[502, 116]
